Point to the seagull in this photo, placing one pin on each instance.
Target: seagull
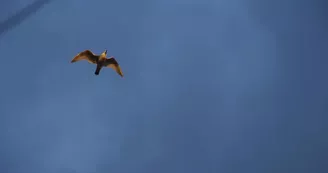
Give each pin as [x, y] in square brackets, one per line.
[100, 60]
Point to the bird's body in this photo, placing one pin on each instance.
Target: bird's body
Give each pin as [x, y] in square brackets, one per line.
[101, 61]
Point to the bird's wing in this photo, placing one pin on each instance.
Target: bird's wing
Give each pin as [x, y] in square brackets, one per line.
[112, 63]
[85, 55]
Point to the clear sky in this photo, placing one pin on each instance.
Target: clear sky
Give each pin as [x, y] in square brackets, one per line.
[210, 86]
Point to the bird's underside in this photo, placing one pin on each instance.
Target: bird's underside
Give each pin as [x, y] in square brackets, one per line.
[100, 60]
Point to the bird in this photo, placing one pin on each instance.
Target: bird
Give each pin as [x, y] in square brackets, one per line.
[101, 61]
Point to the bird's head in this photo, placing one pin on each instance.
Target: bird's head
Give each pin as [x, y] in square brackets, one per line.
[105, 52]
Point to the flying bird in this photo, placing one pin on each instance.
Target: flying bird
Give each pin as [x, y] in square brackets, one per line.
[101, 61]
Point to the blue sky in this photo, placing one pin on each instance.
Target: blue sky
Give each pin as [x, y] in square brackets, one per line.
[229, 86]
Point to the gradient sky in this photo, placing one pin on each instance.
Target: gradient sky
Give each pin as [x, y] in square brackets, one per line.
[210, 86]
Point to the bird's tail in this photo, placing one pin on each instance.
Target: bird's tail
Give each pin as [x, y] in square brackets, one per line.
[98, 70]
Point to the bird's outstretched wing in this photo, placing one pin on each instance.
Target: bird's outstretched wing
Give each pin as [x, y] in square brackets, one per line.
[112, 63]
[86, 55]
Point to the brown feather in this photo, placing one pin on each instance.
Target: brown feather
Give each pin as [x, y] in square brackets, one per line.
[85, 55]
[112, 63]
